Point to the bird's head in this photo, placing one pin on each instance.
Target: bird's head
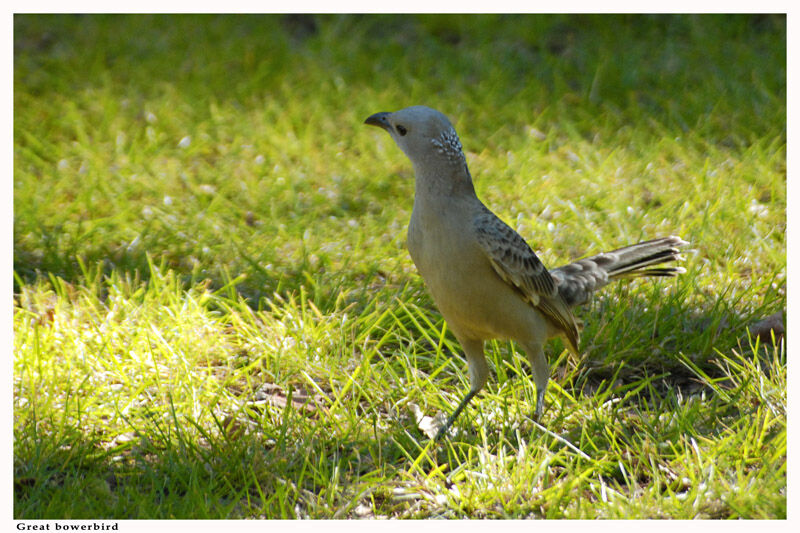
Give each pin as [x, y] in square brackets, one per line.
[424, 134]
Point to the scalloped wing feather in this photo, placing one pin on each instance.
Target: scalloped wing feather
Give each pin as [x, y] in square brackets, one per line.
[516, 264]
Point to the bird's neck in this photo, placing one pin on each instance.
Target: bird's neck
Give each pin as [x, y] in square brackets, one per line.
[448, 181]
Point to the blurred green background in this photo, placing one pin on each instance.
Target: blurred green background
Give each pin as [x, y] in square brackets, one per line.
[237, 141]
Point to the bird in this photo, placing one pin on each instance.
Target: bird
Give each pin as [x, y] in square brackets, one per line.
[483, 276]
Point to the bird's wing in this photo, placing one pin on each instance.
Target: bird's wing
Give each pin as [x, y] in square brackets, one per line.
[516, 264]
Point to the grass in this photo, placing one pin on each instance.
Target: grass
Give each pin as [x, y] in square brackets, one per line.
[215, 315]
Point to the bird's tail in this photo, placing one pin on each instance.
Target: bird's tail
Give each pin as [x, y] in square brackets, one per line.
[577, 281]
[636, 260]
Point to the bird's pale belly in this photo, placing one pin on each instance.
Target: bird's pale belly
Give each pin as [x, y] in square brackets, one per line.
[489, 309]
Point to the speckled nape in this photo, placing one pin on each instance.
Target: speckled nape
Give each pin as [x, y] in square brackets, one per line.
[447, 144]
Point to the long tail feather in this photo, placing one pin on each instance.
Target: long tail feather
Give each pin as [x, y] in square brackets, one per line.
[578, 280]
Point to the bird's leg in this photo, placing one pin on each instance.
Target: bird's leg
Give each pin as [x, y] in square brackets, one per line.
[541, 374]
[452, 418]
[537, 415]
[478, 373]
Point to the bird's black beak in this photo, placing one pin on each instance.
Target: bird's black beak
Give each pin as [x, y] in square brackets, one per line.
[379, 119]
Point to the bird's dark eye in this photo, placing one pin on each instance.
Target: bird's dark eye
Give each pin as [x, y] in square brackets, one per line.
[401, 130]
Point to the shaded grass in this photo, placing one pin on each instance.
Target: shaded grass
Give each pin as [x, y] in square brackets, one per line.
[215, 315]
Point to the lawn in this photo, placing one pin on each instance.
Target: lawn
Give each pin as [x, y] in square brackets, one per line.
[215, 315]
